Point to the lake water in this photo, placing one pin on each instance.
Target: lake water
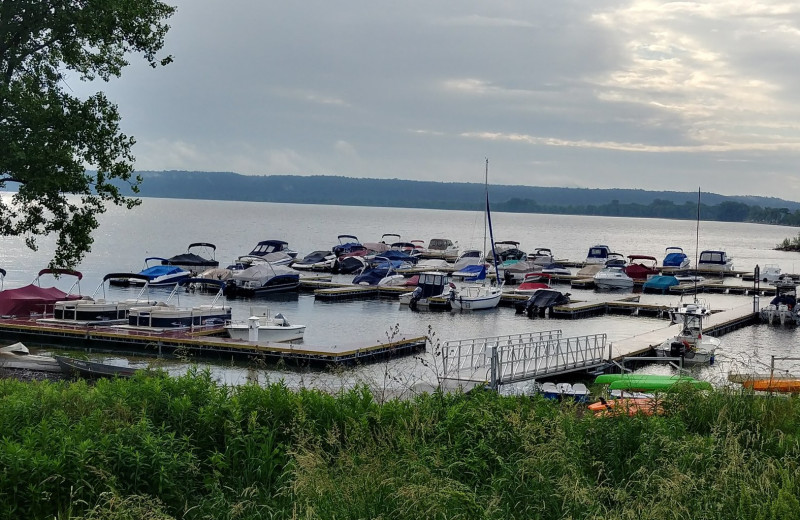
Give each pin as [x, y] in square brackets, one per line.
[165, 227]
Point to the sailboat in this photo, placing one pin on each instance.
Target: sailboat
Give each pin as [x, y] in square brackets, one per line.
[690, 343]
[479, 292]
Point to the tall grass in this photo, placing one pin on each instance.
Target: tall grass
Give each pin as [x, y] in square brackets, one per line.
[190, 448]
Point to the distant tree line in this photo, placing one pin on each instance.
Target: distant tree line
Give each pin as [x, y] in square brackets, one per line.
[728, 211]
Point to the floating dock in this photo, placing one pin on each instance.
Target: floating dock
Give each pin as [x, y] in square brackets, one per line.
[203, 341]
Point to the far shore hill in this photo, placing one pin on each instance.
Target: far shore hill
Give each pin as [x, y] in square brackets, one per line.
[348, 191]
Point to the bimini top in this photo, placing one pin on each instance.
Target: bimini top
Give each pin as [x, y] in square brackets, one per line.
[599, 251]
[269, 246]
[713, 257]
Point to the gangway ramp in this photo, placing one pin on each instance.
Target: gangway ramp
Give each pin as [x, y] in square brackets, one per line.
[514, 358]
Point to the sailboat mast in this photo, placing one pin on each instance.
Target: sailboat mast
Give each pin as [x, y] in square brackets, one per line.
[697, 246]
[485, 216]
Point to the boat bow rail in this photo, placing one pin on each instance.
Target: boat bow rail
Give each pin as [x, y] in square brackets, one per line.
[521, 357]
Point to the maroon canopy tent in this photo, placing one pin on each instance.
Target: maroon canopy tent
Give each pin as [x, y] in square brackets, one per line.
[33, 298]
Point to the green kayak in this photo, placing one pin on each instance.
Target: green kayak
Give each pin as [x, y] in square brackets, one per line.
[645, 385]
[610, 378]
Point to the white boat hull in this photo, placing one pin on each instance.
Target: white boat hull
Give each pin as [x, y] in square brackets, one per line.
[18, 357]
[267, 333]
[474, 298]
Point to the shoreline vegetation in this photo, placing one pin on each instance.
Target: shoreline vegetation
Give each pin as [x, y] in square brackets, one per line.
[789, 244]
[188, 447]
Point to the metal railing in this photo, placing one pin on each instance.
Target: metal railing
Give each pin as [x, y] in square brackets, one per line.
[508, 359]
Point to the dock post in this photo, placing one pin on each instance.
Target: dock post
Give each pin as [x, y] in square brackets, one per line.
[493, 364]
[756, 288]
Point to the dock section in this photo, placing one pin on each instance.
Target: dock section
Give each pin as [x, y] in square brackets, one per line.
[199, 342]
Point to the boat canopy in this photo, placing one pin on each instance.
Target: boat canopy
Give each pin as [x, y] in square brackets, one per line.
[31, 299]
[599, 252]
[440, 244]
[269, 246]
[713, 257]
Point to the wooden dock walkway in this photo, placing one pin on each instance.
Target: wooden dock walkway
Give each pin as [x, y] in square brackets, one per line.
[202, 342]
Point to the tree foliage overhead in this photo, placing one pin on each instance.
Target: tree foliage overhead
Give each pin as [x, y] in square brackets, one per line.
[48, 136]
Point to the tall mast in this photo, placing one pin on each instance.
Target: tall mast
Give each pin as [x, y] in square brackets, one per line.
[485, 217]
[697, 246]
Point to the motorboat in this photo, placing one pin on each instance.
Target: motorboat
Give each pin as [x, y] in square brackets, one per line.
[17, 356]
[315, 261]
[675, 258]
[262, 326]
[597, 255]
[169, 316]
[613, 278]
[615, 260]
[381, 271]
[542, 301]
[92, 309]
[533, 282]
[192, 261]
[35, 300]
[770, 273]
[641, 267]
[556, 269]
[507, 250]
[714, 260]
[690, 343]
[397, 256]
[515, 271]
[262, 279]
[430, 284]
[158, 275]
[349, 264]
[468, 257]
[541, 256]
[783, 307]
[273, 252]
[660, 283]
[443, 248]
[347, 244]
[266, 247]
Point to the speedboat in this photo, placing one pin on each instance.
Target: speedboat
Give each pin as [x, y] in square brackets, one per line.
[159, 275]
[263, 326]
[556, 269]
[660, 283]
[347, 244]
[193, 262]
[770, 273]
[541, 301]
[429, 285]
[89, 309]
[533, 282]
[274, 252]
[349, 264]
[613, 278]
[168, 316]
[262, 279]
[468, 257]
[641, 267]
[675, 257]
[381, 271]
[315, 261]
[507, 250]
[597, 255]
[18, 356]
[690, 343]
[443, 247]
[33, 299]
[712, 260]
[541, 256]
[783, 307]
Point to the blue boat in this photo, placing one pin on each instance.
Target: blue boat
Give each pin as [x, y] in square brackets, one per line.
[660, 283]
[675, 257]
[380, 269]
[161, 275]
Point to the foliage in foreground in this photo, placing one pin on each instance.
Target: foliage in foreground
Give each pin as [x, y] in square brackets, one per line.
[162, 448]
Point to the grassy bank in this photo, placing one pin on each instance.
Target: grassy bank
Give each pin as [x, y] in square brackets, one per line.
[189, 448]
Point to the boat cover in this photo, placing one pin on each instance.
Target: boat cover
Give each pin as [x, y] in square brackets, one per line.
[263, 272]
[473, 273]
[394, 254]
[314, 257]
[660, 282]
[31, 299]
[674, 259]
[190, 259]
[376, 273]
[161, 270]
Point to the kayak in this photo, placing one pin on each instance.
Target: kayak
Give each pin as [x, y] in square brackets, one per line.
[629, 406]
[773, 385]
[610, 378]
[645, 384]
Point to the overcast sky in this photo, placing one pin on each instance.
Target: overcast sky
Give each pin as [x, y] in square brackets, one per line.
[578, 93]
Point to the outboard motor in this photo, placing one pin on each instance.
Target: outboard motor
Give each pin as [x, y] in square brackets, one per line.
[677, 349]
[415, 297]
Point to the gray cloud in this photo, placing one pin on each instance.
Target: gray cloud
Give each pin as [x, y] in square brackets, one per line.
[638, 94]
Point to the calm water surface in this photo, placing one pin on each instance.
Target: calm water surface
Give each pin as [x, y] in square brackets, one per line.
[165, 227]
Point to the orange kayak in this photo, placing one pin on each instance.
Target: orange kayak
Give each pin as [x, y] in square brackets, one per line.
[628, 405]
[773, 385]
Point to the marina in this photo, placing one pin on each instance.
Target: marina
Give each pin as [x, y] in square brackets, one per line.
[338, 313]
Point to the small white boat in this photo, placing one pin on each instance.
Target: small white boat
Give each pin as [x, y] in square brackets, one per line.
[443, 248]
[261, 326]
[597, 255]
[430, 285]
[17, 356]
[476, 296]
[690, 343]
[770, 273]
[468, 257]
[711, 260]
[613, 278]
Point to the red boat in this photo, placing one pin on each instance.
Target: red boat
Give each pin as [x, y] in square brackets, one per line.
[640, 267]
[533, 282]
[34, 299]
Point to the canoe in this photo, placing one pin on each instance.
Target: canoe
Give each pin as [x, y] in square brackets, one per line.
[626, 406]
[657, 384]
[90, 369]
[791, 386]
